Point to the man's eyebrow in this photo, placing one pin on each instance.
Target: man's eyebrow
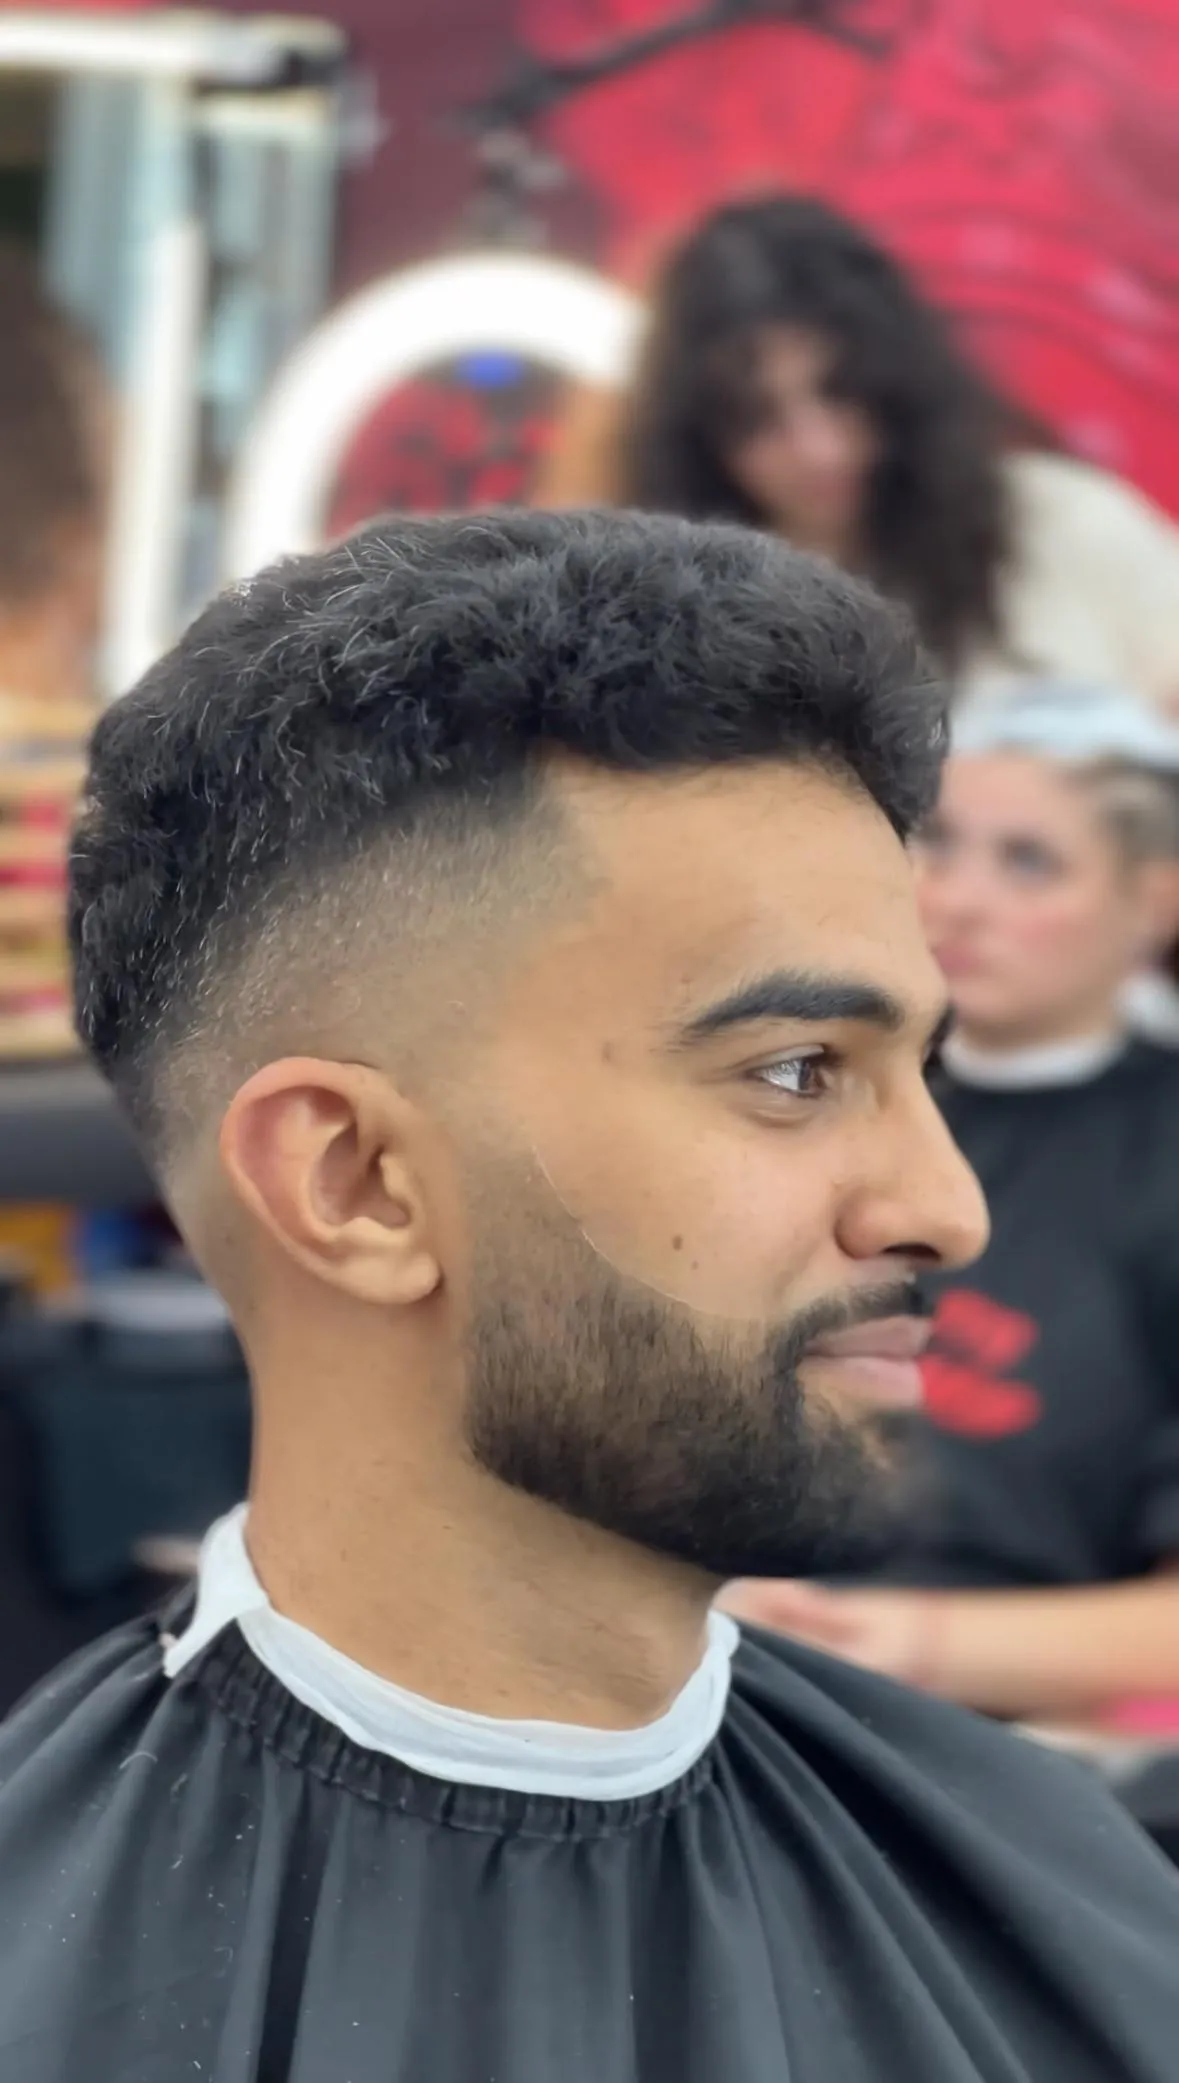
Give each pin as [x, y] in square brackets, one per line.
[785, 994]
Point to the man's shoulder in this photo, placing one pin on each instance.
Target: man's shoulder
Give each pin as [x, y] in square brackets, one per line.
[78, 1721]
[91, 1767]
[931, 1780]
[894, 1730]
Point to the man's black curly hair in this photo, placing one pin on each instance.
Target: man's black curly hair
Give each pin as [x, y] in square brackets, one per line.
[412, 680]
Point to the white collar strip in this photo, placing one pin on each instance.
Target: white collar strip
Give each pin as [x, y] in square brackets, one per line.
[1034, 1069]
[527, 1757]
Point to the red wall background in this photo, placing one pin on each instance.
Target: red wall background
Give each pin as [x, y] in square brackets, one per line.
[1023, 155]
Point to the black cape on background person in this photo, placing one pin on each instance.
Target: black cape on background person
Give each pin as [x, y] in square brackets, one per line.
[1048, 1454]
[855, 1885]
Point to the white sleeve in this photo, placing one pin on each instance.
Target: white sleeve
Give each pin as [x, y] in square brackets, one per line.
[1094, 582]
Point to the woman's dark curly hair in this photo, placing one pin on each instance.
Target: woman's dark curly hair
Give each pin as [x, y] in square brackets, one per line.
[936, 530]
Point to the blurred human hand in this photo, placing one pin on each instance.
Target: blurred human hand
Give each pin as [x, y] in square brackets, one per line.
[893, 1632]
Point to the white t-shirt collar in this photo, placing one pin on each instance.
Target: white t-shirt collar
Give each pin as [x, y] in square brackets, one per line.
[527, 1757]
[1032, 1069]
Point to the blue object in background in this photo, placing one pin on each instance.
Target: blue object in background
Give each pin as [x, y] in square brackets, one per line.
[492, 370]
[109, 1241]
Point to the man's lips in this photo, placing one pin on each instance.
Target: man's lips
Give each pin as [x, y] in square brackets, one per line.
[876, 1363]
[882, 1338]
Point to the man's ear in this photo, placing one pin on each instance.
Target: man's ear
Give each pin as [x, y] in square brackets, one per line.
[324, 1157]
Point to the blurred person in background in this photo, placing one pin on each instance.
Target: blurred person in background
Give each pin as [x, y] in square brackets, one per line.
[54, 432]
[1040, 1578]
[53, 439]
[795, 378]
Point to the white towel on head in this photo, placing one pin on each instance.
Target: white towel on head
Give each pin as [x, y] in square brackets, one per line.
[1072, 721]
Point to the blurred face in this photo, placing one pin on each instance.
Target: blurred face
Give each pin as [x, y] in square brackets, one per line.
[1035, 921]
[806, 459]
[701, 1166]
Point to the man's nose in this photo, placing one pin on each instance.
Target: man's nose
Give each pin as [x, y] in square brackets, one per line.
[919, 1199]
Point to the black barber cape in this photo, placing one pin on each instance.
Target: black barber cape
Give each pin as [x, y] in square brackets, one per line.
[202, 1882]
[1049, 1452]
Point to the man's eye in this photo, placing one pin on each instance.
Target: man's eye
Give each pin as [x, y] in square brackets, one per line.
[801, 1077]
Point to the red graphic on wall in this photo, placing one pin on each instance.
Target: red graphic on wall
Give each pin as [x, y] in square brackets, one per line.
[468, 434]
[1021, 155]
[966, 1375]
[1024, 159]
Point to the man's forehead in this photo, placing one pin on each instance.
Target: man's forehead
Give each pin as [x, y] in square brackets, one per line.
[728, 836]
[670, 807]
[702, 882]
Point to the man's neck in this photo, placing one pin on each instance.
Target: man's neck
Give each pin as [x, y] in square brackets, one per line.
[468, 1593]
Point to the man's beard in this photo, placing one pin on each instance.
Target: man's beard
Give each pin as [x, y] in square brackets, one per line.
[608, 1404]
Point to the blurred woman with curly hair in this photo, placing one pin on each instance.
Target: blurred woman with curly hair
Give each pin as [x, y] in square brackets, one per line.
[793, 377]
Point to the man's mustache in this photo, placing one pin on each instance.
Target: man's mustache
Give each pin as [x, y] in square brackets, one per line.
[843, 1312]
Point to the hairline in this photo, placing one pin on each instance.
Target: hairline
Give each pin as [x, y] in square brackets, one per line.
[271, 950]
[496, 875]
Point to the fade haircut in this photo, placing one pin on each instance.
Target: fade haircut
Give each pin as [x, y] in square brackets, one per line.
[392, 700]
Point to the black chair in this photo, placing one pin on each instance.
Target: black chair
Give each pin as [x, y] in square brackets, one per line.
[119, 1437]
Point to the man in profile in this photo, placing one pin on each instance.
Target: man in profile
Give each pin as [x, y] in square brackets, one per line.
[501, 932]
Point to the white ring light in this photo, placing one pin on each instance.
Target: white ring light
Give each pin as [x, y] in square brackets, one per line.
[559, 315]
